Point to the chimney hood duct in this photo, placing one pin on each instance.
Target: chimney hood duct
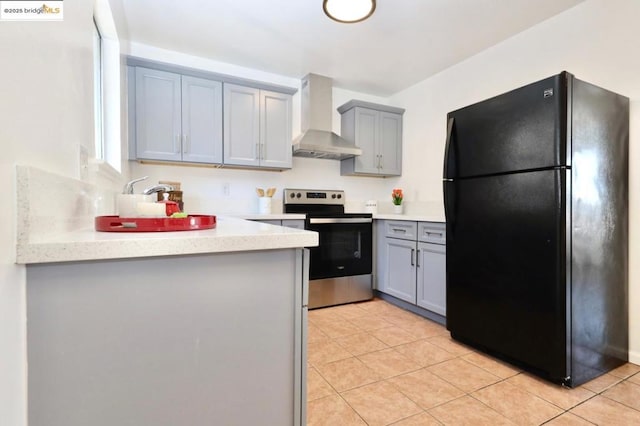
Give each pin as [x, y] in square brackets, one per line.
[317, 140]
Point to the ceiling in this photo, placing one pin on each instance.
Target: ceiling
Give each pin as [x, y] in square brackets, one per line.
[403, 43]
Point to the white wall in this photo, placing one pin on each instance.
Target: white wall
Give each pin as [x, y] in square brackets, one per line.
[46, 113]
[596, 41]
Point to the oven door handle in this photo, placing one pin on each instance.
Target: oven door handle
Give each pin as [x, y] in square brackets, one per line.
[320, 221]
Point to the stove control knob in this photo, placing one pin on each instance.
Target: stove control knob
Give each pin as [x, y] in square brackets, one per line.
[298, 195]
[293, 195]
[339, 196]
[333, 196]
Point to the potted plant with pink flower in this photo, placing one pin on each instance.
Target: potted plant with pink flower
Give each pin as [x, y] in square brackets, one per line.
[396, 198]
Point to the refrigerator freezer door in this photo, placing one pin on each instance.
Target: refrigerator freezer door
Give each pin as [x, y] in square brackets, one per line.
[520, 130]
[506, 283]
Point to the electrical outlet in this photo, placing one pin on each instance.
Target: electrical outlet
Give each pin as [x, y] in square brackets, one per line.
[226, 189]
[83, 163]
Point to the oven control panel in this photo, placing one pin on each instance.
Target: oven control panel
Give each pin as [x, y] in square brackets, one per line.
[309, 196]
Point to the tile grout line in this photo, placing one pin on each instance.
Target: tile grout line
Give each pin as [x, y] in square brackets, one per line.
[455, 356]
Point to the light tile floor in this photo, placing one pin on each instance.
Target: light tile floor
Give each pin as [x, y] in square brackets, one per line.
[372, 363]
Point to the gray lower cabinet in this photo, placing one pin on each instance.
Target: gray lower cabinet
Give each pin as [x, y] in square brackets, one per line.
[400, 269]
[411, 263]
[176, 340]
[377, 130]
[177, 117]
[293, 223]
[257, 127]
[431, 278]
[288, 223]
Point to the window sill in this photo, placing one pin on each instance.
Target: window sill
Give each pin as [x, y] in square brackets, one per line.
[103, 170]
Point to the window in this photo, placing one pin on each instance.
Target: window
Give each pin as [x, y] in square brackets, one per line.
[97, 92]
[107, 90]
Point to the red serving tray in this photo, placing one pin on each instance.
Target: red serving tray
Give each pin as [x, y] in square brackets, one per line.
[152, 224]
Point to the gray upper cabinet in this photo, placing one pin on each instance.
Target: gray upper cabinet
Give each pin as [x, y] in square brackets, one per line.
[377, 130]
[177, 118]
[257, 127]
[201, 120]
[241, 125]
[186, 115]
[158, 115]
[275, 130]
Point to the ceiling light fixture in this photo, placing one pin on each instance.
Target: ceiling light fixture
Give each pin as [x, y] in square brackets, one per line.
[349, 11]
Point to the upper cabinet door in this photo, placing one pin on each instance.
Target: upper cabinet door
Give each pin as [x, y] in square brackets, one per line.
[241, 125]
[377, 130]
[158, 127]
[366, 134]
[201, 120]
[390, 143]
[275, 130]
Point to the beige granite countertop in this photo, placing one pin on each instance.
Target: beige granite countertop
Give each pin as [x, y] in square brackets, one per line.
[230, 235]
[55, 216]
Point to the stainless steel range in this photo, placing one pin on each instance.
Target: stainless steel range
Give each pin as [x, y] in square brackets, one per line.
[340, 266]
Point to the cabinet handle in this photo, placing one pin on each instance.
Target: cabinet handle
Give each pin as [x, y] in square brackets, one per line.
[176, 145]
[381, 164]
[413, 251]
[257, 151]
[185, 144]
[379, 157]
[438, 234]
[262, 151]
[418, 258]
[404, 231]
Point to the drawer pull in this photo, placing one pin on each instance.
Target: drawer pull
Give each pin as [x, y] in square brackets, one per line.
[399, 230]
[438, 234]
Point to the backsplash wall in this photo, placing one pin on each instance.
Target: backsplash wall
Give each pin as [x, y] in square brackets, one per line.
[204, 187]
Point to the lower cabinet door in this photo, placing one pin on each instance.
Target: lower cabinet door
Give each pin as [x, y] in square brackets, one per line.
[401, 269]
[431, 285]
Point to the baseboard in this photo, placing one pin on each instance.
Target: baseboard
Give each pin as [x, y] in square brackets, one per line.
[634, 357]
[411, 307]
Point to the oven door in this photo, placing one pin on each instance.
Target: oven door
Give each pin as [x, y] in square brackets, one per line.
[344, 249]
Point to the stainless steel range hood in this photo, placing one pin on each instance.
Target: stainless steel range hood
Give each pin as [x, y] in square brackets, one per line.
[317, 140]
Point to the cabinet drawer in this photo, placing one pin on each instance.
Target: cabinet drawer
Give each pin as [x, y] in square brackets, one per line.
[270, 221]
[432, 232]
[293, 223]
[401, 229]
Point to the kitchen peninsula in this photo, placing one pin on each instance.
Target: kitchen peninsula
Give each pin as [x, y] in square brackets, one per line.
[193, 327]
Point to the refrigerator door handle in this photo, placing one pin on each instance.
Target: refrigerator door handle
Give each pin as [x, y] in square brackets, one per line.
[447, 148]
[449, 195]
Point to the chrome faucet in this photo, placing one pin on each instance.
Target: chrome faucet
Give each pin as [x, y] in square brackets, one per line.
[128, 188]
[158, 188]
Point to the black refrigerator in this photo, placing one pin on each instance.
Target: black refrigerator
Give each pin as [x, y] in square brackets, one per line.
[536, 194]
